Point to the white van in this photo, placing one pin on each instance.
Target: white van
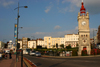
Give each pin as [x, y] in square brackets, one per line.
[25, 52]
[7, 51]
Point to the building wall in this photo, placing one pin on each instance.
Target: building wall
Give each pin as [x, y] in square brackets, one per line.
[47, 41]
[24, 42]
[1, 44]
[52, 42]
[71, 39]
[20, 44]
[41, 43]
[32, 44]
[62, 41]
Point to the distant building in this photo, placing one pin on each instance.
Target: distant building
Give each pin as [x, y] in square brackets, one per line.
[32, 44]
[72, 40]
[2, 44]
[40, 42]
[25, 42]
[20, 42]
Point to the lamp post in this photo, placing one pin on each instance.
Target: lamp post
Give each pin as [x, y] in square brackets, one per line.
[93, 37]
[17, 29]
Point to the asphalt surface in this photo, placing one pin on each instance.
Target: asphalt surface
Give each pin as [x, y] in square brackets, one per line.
[65, 62]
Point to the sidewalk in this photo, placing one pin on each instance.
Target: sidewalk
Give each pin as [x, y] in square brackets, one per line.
[11, 62]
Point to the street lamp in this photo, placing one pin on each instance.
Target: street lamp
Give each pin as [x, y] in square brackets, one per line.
[17, 29]
[93, 37]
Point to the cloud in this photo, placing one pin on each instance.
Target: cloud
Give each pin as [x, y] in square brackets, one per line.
[92, 6]
[56, 34]
[6, 3]
[93, 32]
[57, 27]
[52, 34]
[63, 10]
[48, 8]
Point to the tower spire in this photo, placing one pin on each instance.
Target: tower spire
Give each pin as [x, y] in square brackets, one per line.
[82, 10]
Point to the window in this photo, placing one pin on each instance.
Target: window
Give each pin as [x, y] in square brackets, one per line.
[49, 43]
[86, 35]
[81, 35]
[49, 38]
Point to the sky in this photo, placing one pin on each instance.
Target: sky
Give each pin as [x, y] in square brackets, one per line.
[54, 18]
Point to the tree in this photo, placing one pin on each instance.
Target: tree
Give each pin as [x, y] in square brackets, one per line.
[77, 45]
[98, 34]
[53, 46]
[68, 47]
[62, 45]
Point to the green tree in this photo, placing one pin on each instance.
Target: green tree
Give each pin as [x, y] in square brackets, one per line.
[62, 45]
[98, 34]
[77, 45]
[53, 46]
[68, 47]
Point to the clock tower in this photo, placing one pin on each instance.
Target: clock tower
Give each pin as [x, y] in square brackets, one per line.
[84, 30]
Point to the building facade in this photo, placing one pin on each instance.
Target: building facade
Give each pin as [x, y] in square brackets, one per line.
[25, 42]
[72, 40]
[32, 44]
[1, 44]
[20, 44]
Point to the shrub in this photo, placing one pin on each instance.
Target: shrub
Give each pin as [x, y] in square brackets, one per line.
[68, 47]
[98, 51]
[84, 53]
[92, 52]
[74, 53]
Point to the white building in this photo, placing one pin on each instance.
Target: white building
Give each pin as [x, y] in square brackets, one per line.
[32, 44]
[20, 44]
[40, 42]
[11, 45]
[1, 44]
[71, 39]
[62, 41]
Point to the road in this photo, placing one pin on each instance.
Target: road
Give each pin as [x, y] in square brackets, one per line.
[65, 62]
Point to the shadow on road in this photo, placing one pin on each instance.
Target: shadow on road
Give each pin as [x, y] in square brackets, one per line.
[56, 64]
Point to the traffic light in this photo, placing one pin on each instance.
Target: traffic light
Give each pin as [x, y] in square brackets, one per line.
[18, 45]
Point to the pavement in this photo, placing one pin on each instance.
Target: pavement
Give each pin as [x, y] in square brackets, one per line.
[11, 62]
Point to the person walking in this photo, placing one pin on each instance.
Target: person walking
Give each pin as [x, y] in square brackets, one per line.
[10, 55]
[5, 55]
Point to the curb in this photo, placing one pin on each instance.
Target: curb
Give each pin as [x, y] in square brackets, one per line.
[28, 62]
[69, 56]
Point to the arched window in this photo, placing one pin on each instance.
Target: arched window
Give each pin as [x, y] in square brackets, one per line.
[86, 35]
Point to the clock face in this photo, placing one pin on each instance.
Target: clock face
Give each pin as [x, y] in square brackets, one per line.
[83, 23]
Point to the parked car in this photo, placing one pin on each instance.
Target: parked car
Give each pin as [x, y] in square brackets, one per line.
[98, 46]
[7, 51]
[38, 54]
[32, 53]
[25, 52]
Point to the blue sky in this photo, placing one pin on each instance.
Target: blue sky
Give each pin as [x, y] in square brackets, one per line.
[45, 17]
